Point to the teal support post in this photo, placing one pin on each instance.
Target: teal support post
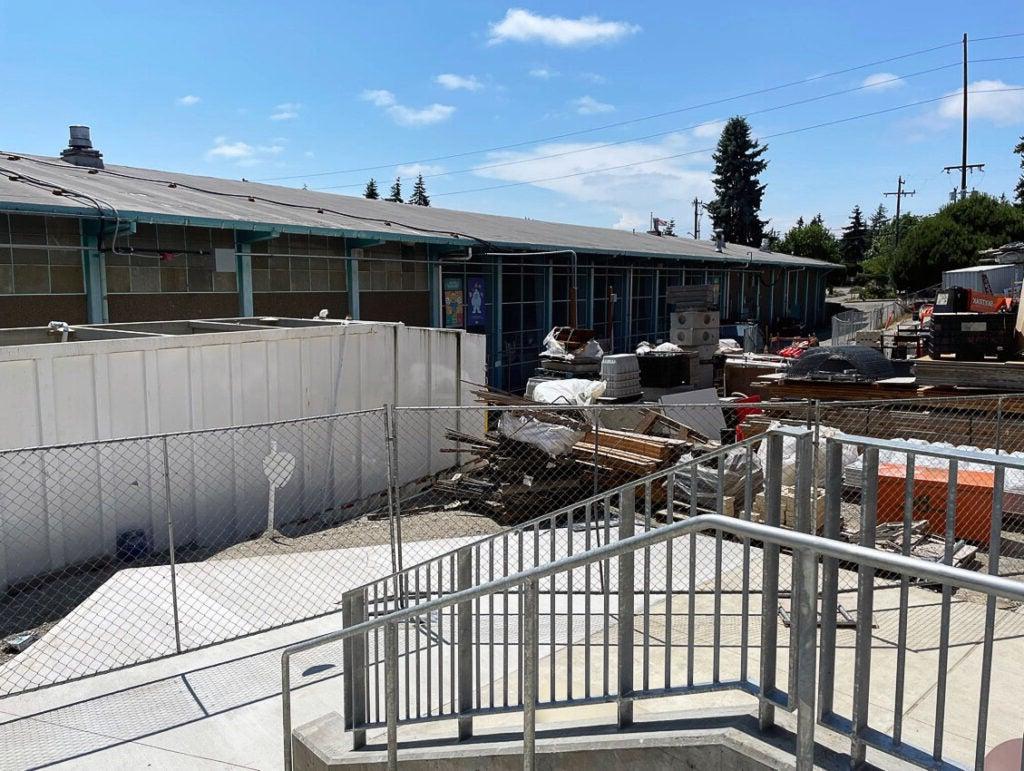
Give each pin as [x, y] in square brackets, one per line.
[494, 325]
[94, 273]
[549, 297]
[434, 277]
[243, 279]
[352, 280]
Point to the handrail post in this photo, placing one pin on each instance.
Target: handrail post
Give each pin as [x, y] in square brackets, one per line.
[627, 527]
[353, 611]
[770, 582]
[806, 598]
[803, 458]
[531, 642]
[830, 575]
[286, 708]
[391, 691]
[465, 644]
[865, 608]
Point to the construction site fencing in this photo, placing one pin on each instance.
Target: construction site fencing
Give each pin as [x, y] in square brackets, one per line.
[847, 324]
[117, 552]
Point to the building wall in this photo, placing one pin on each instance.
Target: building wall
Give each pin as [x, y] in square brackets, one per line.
[40, 270]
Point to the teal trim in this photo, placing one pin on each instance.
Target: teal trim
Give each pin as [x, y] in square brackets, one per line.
[378, 235]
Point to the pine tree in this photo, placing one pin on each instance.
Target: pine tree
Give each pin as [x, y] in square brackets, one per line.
[1018, 191]
[854, 243]
[878, 220]
[419, 195]
[738, 192]
[395, 196]
[670, 228]
[371, 190]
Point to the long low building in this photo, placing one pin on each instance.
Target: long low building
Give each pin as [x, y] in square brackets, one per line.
[83, 241]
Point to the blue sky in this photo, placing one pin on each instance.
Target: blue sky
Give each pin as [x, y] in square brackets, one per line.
[263, 90]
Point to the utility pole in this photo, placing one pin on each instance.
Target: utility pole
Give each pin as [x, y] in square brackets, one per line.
[697, 204]
[899, 193]
[964, 166]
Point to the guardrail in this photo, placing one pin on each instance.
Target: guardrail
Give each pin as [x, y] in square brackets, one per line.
[445, 679]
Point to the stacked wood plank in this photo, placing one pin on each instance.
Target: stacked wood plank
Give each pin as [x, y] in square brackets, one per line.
[513, 480]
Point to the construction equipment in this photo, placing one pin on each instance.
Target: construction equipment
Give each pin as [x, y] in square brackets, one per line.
[968, 324]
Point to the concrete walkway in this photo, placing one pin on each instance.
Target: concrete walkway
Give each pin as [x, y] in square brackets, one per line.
[220, 707]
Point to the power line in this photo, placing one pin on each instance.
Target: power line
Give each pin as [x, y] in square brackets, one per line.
[618, 142]
[628, 122]
[711, 149]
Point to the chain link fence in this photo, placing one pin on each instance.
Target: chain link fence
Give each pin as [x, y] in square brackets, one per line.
[123, 551]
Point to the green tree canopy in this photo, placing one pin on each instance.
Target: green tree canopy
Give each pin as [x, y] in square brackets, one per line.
[395, 196]
[371, 189]
[949, 239]
[738, 192]
[813, 240]
[419, 195]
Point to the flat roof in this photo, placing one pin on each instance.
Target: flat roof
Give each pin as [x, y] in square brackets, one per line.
[29, 182]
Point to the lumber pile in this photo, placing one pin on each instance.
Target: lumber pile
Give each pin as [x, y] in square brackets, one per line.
[512, 479]
[924, 544]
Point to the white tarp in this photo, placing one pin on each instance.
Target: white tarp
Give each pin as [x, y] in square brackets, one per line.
[553, 439]
[569, 391]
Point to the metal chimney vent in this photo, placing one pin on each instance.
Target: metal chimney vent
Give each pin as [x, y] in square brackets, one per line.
[719, 240]
[80, 151]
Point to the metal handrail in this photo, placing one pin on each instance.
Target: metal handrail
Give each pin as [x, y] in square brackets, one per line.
[530, 524]
[809, 546]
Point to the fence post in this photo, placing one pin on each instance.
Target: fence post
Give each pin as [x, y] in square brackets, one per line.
[394, 503]
[770, 581]
[353, 611]
[627, 528]
[170, 544]
[597, 438]
[465, 644]
[999, 424]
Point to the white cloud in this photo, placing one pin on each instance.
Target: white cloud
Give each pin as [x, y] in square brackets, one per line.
[588, 105]
[522, 26]
[189, 100]
[593, 77]
[286, 111]
[309, 154]
[627, 194]
[1003, 108]
[415, 169]
[407, 116]
[242, 153]
[542, 73]
[883, 81]
[709, 130]
[455, 82]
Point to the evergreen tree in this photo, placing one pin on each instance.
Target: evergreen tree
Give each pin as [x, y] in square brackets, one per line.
[813, 240]
[419, 195]
[395, 196]
[854, 243]
[371, 190]
[1018, 191]
[878, 219]
[670, 228]
[738, 192]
